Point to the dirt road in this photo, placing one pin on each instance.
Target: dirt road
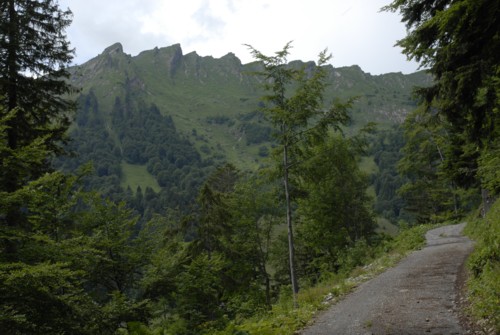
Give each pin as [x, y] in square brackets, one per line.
[418, 296]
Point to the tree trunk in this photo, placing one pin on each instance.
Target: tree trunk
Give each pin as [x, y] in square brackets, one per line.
[267, 282]
[262, 265]
[488, 200]
[291, 248]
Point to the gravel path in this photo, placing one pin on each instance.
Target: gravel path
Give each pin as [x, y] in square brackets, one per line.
[418, 296]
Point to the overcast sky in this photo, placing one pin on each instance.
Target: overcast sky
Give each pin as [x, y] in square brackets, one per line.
[354, 31]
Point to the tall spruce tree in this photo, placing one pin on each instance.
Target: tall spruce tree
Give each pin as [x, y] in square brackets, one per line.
[34, 55]
[459, 42]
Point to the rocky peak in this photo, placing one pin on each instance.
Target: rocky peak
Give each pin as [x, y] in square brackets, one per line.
[116, 48]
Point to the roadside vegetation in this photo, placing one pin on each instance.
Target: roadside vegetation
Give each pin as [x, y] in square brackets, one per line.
[484, 270]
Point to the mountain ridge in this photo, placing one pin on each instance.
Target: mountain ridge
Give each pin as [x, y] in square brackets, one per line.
[173, 80]
[117, 47]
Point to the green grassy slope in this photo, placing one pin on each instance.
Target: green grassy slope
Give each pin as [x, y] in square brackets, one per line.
[138, 175]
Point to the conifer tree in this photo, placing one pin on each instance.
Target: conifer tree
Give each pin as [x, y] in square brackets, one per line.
[458, 42]
[34, 55]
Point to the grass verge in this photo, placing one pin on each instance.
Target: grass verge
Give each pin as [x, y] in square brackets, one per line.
[483, 264]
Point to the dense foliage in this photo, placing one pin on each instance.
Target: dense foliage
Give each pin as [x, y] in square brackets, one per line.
[31, 83]
[335, 214]
[386, 148]
[33, 65]
[55, 255]
[41, 290]
[458, 41]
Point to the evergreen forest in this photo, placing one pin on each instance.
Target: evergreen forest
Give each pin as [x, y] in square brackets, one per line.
[177, 194]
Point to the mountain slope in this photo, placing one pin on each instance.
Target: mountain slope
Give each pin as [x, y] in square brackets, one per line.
[155, 124]
[215, 101]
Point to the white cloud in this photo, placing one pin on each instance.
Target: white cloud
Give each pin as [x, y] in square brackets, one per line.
[353, 31]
